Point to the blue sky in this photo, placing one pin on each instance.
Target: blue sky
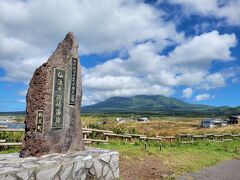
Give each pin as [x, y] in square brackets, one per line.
[178, 48]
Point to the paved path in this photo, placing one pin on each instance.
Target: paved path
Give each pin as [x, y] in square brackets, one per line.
[228, 170]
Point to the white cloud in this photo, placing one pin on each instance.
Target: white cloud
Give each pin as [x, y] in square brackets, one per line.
[202, 97]
[29, 34]
[92, 96]
[22, 92]
[30, 30]
[236, 80]
[109, 82]
[188, 64]
[187, 93]
[215, 80]
[203, 49]
[20, 69]
[21, 100]
[228, 11]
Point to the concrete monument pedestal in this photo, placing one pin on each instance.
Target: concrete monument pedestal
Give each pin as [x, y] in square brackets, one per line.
[90, 164]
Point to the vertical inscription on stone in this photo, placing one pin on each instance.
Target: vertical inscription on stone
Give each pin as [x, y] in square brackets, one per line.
[58, 98]
[73, 81]
[39, 121]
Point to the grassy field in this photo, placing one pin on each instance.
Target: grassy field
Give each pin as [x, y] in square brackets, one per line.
[170, 161]
[152, 163]
[175, 159]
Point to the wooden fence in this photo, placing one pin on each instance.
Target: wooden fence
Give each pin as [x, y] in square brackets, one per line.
[131, 138]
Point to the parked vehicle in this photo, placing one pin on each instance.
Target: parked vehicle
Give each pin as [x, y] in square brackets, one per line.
[234, 119]
[210, 123]
[143, 119]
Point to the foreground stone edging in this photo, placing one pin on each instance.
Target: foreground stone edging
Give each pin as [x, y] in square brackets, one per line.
[89, 164]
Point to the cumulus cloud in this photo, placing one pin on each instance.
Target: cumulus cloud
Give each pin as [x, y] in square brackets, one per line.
[29, 34]
[215, 80]
[187, 93]
[203, 96]
[228, 11]
[93, 96]
[203, 49]
[33, 28]
[145, 71]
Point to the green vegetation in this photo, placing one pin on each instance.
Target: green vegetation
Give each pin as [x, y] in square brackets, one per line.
[10, 149]
[179, 158]
[11, 136]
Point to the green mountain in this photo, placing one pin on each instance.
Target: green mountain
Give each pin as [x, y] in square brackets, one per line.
[156, 104]
[153, 105]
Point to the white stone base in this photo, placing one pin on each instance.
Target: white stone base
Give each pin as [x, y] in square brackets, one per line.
[89, 164]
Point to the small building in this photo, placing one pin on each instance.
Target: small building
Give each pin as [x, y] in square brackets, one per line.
[234, 119]
[210, 123]
[143, 119]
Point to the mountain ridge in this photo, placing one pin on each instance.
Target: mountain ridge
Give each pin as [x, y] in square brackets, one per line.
[171, 102]
[155, 103]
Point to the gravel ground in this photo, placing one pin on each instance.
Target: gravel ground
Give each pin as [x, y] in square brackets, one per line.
[146, 168]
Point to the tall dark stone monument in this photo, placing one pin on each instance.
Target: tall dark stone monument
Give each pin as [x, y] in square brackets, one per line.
[53, 104]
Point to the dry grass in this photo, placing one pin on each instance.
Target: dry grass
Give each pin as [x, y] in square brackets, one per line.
[157, 126]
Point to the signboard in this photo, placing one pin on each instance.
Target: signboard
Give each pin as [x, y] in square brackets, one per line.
[73, 81]
[58, 98]
[39, 121]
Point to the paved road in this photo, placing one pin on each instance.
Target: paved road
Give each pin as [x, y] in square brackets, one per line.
[228, 170]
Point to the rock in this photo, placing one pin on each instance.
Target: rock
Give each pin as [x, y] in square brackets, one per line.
[98, 167]
[47, 173]
[78, 166]
[92, 171]
[114, 162]
[7, 177]
[105, 158]
[78, 171]
[109, 176]
[66, 171]
[75, 166]
[116, 172]
[25, 174]
[88, 163]
[53, 104]
[105, 170]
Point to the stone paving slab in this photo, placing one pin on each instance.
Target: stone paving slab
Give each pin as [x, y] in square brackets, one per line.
[90, 164]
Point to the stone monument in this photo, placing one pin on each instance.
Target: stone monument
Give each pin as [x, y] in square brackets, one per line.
[53, 127]
[54, 96]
